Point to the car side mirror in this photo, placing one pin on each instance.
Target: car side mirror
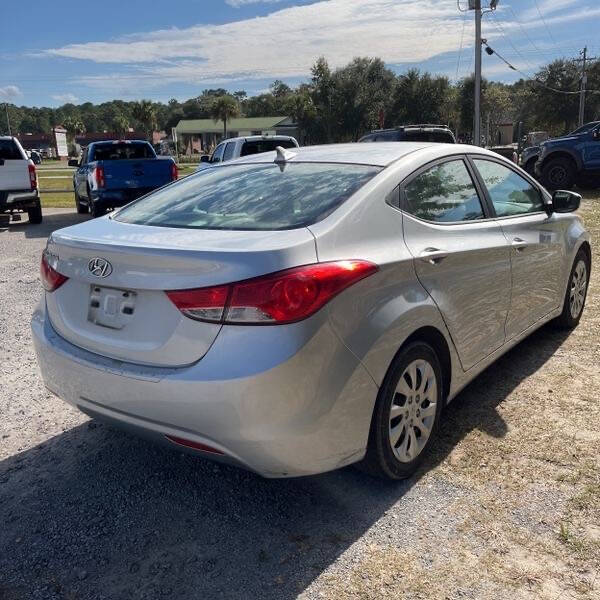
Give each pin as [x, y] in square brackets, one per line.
[565, 201]
[205, 158]
[596, 134]
[73, 162]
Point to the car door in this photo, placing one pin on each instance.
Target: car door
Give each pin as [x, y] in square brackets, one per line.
[461, 256]
[535, 239]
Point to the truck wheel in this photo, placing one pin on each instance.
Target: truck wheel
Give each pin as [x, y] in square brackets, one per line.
[96, 209]
[530, 166]
[35, 214]
[558, 174]
[82, 209]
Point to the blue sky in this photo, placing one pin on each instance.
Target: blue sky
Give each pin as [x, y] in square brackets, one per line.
[68, 51]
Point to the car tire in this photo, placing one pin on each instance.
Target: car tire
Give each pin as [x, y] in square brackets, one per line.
[558, 173]
[82, 209]
[408, 405]
[530, 166]
[35, 214]
[574, 301]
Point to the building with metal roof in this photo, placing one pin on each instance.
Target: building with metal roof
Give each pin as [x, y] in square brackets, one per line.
[202, 135]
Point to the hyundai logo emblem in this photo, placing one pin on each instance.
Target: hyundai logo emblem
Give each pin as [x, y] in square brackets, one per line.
[100, 267]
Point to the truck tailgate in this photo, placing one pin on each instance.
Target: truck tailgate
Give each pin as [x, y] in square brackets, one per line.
[136, 173]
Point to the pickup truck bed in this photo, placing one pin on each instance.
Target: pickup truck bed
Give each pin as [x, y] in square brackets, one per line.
[18, 181]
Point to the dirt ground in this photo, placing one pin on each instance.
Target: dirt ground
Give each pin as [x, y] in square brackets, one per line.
[507, 507]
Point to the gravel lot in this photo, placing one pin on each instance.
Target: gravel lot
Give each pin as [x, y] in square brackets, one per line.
[508, 507]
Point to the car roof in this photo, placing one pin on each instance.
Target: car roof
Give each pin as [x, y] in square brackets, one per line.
[381, 154]
[253, 138]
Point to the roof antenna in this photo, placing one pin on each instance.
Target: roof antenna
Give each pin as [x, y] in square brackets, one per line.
[283, 155]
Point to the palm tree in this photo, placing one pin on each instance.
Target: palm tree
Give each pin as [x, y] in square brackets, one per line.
[120, 124]
[73, 125]
[224, 108]
[145, 112]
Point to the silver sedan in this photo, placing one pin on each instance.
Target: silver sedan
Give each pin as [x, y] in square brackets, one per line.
[301, 310]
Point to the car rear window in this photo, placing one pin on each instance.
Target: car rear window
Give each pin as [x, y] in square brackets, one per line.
[122, 151]
[251, 197]
[9, 150]
[428, 136]
[258, 146]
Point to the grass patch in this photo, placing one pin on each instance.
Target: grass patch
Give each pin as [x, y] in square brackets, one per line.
[59, 200]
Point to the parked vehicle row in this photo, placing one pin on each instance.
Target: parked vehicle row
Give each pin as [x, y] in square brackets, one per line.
[18, 181]
[301, 310]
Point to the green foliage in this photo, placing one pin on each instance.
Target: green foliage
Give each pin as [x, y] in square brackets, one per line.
[344, 103]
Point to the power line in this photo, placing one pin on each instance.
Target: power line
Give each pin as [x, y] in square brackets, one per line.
[462, 35]
[537, 6]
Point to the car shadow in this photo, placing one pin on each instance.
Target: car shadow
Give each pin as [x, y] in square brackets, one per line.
[95, 513]
[50, 222]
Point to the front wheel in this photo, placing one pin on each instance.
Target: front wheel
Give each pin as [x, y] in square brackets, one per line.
[576, 292]
[406, 414]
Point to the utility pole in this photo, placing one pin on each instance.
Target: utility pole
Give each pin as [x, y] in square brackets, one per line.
[477, 115]
[584, 58]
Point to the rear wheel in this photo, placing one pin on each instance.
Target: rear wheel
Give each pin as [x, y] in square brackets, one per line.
[35, 214]
[576, 292]
[406, 415]
[81, 208]
[558, 173]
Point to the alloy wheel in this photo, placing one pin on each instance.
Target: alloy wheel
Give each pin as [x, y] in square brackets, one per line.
[413, 410]
[578, 289]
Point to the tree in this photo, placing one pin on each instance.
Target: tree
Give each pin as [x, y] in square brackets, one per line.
[74, 126]
[144, 112]
[120, 124]
[224, 108]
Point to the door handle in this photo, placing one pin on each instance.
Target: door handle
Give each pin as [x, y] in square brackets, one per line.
[433, 256]
[519, 245]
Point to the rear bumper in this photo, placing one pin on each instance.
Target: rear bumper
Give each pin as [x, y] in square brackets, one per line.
[116, 198]
[19, 199]
[305, 413]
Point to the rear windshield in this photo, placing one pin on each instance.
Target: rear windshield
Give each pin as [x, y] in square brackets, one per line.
[9, 150]
[251, 197]
[428, 136]
[122, 151]
[258, 146]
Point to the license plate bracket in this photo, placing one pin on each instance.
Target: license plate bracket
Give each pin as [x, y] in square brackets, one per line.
[111, 307]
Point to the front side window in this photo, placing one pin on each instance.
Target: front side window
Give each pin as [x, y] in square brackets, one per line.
[510, 193]
[229, 150]
[444, 193]
[260, 196]
[217, 154]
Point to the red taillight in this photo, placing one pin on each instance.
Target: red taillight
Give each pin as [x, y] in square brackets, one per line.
[283, 297]
[32, 177]
[99, 176]
[174, 172]
[51, 278]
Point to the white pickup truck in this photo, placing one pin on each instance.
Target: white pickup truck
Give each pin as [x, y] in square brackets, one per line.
[18, 181]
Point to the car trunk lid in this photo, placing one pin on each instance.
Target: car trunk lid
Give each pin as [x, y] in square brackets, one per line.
[114, 303]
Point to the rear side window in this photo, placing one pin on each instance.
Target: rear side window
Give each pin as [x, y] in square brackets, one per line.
[258, 146]
[444, 193]
[511, 195]
[251, 197]
[122, 151]
[9, 150]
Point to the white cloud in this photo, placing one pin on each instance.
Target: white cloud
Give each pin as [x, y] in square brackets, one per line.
[10, 92]
[66, 98]
[238, 3]
[547, 7]
[286, 42]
